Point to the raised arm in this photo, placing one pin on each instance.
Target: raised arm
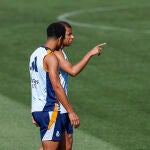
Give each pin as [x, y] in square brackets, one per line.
[73, 70]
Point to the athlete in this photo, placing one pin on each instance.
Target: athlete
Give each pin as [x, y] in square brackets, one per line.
[46, 89]
[65, 68]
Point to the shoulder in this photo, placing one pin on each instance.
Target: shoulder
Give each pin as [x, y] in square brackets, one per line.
[59, 54]
[51, 58]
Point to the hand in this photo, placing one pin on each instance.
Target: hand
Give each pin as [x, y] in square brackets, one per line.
[97, 49]
[34, 122]
[74, 119]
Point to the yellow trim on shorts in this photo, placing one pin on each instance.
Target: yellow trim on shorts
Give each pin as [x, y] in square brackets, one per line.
[54, 116]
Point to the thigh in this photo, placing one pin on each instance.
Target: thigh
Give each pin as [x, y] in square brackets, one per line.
[66, 142]
[67, 139]
[50, 145]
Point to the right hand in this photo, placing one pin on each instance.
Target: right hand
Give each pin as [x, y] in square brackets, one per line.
[97, 49]
[34, 122]
[74, 119]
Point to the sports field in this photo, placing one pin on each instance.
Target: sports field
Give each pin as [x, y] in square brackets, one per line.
[111, 95]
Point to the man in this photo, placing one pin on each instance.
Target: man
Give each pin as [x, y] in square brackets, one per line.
[65, 68]
[47, 90]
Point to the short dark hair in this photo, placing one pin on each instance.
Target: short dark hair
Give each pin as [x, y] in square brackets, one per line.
[56, 30]
[66, 24]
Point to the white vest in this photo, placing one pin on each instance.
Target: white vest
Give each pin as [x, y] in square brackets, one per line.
[42, 93]
[64, 82]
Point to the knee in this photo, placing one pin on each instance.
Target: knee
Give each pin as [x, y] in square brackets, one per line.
[68, 147]
[40, 148]
[70, 138]
[69, 142]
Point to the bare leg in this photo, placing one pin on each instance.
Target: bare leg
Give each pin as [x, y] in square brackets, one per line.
[40, 148]
[69, 141]
[66, 143]
[50, 145]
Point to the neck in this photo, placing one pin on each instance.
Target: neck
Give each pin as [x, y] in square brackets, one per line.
[50, 44]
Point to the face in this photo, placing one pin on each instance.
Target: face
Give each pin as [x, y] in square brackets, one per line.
[68, 37]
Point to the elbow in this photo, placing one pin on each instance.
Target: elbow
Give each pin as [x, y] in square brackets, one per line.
[56, 87]
[73, 73]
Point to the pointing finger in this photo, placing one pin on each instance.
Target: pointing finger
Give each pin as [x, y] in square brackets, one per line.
[102, 44]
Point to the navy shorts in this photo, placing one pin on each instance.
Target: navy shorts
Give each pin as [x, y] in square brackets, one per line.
[66, 123]
[50, 124]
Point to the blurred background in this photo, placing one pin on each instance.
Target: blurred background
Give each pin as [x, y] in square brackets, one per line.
[111, 95]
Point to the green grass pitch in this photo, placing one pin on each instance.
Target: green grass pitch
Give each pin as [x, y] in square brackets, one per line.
[111, 95]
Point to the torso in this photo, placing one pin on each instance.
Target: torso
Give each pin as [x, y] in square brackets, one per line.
[43, 95]
[64, 82]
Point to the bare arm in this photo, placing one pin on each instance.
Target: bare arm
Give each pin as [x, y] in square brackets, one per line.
[52, 66]
[73, 70]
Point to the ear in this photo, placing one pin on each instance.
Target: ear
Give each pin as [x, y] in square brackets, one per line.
[60, 38]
